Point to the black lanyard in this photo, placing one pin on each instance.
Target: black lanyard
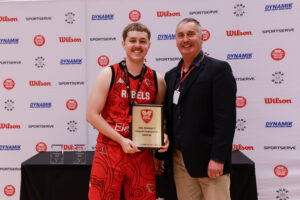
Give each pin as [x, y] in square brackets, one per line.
[128, 86]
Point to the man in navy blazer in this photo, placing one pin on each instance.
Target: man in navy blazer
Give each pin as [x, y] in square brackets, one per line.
[201, 117]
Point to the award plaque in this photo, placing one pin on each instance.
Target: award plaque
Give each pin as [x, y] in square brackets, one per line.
[146, 129]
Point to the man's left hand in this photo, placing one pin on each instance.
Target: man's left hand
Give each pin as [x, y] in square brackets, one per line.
[215, 169]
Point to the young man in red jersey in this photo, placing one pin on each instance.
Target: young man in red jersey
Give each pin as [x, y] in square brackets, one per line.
[117, 159]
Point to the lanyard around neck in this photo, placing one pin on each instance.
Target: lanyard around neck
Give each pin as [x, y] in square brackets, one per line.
[188, 72]
[128, 86]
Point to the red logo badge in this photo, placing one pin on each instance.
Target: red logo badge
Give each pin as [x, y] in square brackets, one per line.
[103, 61]
[134, 15]
[277, 54]
[9, 190]
[240, 102]
[41, 146]
[72, 104]
[9, 84]
[281, 171]
[39, 40]
[146, 115]
[206, 35]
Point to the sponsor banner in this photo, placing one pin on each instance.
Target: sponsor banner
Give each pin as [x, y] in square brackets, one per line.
[100, 17]
[281, 171]
[280, 30]
[8, 19]
[38, 18]
[277, 101]
[286, 124]
[283, 6]
[9, 41]
[100, 39]
[204, 12]
[69, 147]
[10, 62]
[239, 56]
[12, 147]
[74, 61]
[249, 78]
[242, 147]
[40, 126]
[279, 147]
[168, 14]
[40, 105]
[233, 33]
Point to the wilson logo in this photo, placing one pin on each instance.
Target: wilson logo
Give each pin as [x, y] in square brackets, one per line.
[69, 39]
[9, 126]
[8, 19]
[238, 33]
[39, 83]
[272, 7]
[103, 17]
[241, 147]
[277, 101]
[167, 14]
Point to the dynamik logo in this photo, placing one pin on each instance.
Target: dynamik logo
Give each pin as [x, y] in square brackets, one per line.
[9, 105]
[134, 15]
[239, 56]
[239, 10]
[103, 17]
[39, 83]
[9, 40]
[72, 126]
[146, 115]
[277, 54]
[10, 147]
[281, 171]
[71, 104]
[166, 37]
[204, 12]
[277, 101]
[71, 61]
[241, 147]
[273, 7]
[232, 33]
[279, 124]
[9, 190]
[103, 61]
[40, 105]
[70, 17]
[39, 40]
[250, 78]
[240, 102]
[69, 39]
[39, 62]
[8, 19]
[240, 125]
[41, 146]
[9, 84]
[206, 35]
[9, 126]
[277, 77]
[282, 194]
[167, 14]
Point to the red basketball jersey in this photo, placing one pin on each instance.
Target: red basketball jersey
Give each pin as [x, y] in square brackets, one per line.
[116, 109]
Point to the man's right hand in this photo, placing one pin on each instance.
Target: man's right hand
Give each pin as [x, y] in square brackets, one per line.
[128, 146]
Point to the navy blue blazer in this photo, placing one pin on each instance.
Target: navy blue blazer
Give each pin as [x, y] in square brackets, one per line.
[208, 114]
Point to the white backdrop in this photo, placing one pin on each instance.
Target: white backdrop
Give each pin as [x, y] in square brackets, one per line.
[258, 39]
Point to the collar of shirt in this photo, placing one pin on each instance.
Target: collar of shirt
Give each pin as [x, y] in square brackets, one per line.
[196, 62]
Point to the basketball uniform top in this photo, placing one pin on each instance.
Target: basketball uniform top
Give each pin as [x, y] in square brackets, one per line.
[116, 109]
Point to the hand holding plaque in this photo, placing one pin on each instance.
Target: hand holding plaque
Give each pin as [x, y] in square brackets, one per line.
[146, 129]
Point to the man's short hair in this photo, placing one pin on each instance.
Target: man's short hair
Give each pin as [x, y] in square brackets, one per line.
[193, 20]
[136, 27]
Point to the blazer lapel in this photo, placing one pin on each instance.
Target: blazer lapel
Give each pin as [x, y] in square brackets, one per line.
[189, 81]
